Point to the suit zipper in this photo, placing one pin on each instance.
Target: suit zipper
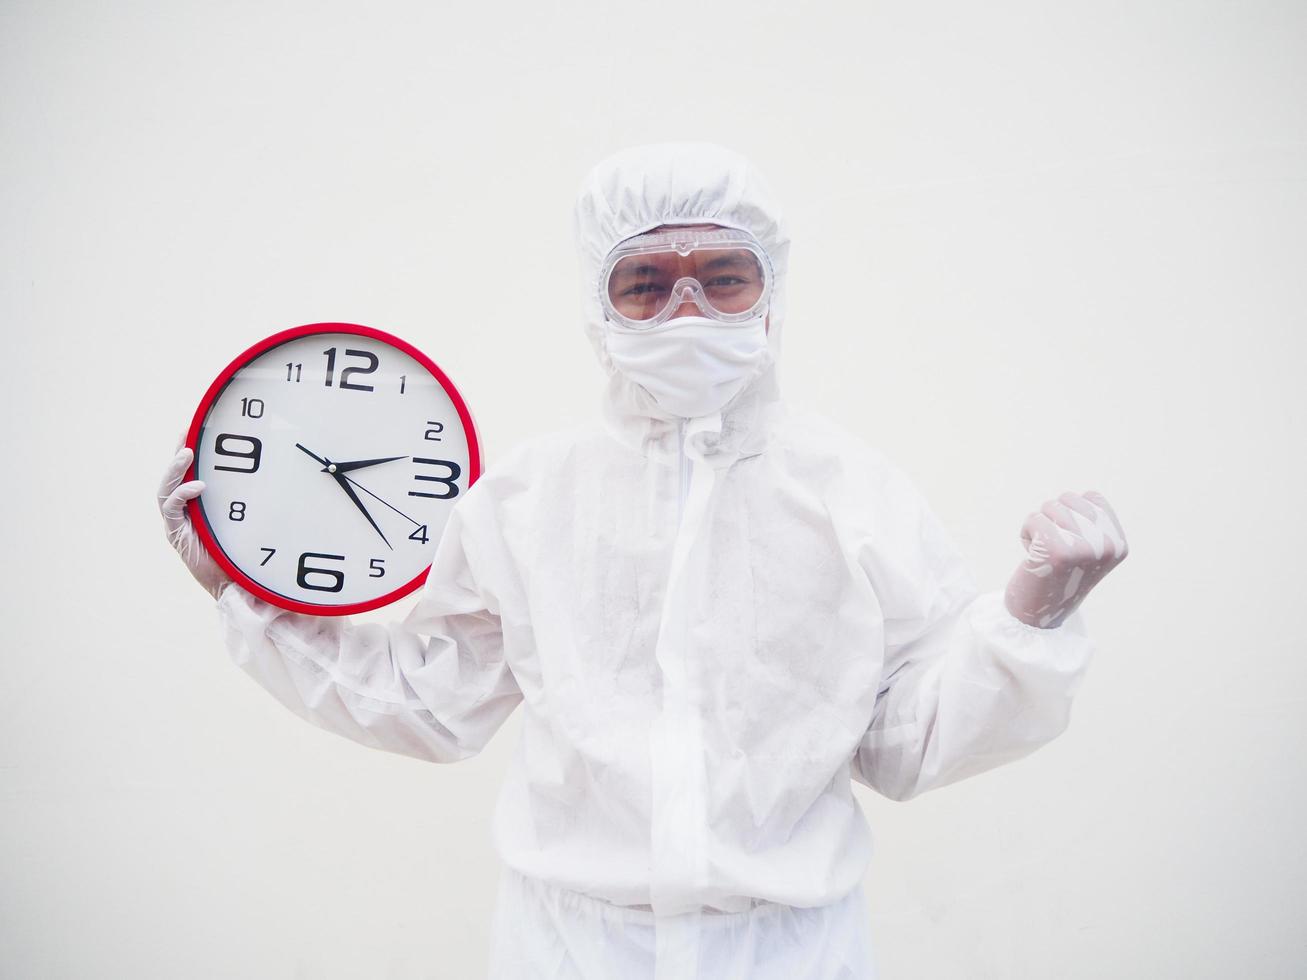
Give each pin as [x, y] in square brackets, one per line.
[682, 489]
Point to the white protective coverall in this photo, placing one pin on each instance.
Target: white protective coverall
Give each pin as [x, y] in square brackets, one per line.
[712, 626]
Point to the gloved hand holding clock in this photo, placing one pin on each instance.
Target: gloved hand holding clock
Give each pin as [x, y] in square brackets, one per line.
[323, 464]
[174, 495]
[1072, 543]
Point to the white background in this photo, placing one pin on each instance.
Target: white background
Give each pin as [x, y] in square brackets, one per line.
[1038, 247]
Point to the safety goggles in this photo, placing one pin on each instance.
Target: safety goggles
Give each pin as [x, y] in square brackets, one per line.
[723, 272]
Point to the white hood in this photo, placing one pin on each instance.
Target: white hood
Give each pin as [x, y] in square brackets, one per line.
[666, 184]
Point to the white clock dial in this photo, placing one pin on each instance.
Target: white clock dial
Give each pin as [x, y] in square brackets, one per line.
[331, 461]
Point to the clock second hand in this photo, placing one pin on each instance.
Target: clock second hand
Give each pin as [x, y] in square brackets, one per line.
[340, 478]
[385, 502]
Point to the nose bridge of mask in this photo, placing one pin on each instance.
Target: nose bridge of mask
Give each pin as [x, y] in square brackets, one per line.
[690, 290]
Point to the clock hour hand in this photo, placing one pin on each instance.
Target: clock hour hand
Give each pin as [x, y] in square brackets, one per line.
[358, 464]
[344, 485]
[324, 462]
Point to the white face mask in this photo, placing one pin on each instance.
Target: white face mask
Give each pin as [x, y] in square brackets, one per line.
[691, 366]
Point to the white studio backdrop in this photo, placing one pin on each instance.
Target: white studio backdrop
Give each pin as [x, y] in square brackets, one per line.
[1037, 247]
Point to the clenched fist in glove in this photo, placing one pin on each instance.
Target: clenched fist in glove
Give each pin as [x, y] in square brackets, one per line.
[173, 495]
[1072, 543]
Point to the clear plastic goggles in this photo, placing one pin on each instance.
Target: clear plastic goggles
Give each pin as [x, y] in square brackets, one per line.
[724, 272]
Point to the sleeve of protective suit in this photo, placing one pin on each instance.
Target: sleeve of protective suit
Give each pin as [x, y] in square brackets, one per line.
[966, 686]
[435, 686]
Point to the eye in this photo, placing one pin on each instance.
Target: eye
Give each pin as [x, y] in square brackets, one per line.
[642, 289]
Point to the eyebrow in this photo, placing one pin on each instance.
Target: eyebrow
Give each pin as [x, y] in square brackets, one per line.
[640, 270]
[727, 260]
[717, 263]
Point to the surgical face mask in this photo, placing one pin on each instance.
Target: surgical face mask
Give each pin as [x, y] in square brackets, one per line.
[722, 272]
[691, 366]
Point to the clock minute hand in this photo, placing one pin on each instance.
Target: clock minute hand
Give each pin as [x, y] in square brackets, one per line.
[358, 464]
[339, 477]
[344, 485]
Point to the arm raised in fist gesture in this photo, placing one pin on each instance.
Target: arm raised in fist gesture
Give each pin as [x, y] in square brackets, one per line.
[1071, 542]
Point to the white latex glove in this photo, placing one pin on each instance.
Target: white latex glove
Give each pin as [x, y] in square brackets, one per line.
[1072, 543]
[173, 495]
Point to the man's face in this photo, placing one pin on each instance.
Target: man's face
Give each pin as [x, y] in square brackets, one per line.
[688, 307]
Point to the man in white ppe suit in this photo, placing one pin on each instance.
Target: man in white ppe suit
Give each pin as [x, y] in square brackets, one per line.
[715, 610]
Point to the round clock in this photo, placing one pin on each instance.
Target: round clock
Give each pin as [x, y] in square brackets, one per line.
[332, 454]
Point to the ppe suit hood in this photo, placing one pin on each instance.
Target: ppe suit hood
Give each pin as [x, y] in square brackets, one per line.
[641, 188]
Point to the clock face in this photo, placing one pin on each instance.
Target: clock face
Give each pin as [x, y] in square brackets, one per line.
[331, 455]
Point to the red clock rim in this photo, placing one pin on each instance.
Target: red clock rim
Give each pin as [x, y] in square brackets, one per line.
[200, 522]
